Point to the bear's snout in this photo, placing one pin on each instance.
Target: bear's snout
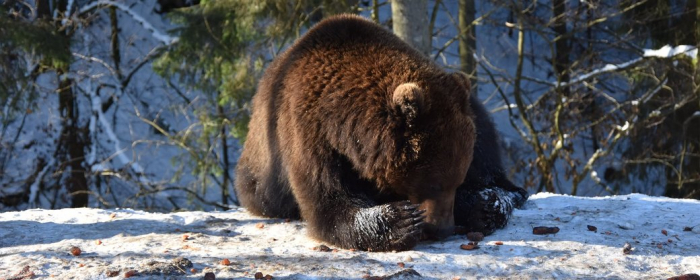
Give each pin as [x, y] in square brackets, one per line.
[439, 218]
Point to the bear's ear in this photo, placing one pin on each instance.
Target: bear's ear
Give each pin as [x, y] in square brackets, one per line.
[464, 80]
[409, 99]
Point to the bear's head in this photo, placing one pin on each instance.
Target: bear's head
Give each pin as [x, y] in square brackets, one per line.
[436, 146]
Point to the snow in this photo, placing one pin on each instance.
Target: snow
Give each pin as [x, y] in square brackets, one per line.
[605, 69]
[664, 234]
[668, 51]
[664, 52]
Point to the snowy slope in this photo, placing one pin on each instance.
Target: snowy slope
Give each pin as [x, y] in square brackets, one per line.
[136, 240]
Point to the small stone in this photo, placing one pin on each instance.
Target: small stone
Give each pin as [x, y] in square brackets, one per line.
[405, 274]
[131, 273]
[544, 230]
[209, 276]
[592, 228]
[322, 248]
[408, 259]
[258, 275]
[627, 249]
[475, 236]
[75, 251]
[182, 262]
[664, 232]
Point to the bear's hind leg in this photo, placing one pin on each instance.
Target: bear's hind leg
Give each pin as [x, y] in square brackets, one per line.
[265, 194]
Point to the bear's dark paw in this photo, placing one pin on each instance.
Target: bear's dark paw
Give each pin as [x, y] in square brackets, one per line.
[405, 226]
[489, 209]
[390, 227]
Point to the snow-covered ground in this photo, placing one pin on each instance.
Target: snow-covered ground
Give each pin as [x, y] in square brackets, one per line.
[664, 234]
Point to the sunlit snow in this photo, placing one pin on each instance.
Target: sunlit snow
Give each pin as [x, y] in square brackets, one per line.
[664, 234]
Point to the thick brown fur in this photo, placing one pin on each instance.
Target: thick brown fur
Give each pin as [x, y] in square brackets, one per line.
[348, 124]
[364, 138]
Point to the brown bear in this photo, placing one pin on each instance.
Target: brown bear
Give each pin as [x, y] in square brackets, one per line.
[368, 141]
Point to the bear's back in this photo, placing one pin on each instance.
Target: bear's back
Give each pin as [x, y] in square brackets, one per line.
[346, 36]
[346, 31]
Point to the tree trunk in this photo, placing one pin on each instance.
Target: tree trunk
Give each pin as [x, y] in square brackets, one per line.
[116, 54]
[224, 153]
[684, 30]
[70, 151]
[375, 11]
[467, 40]
[561, 46]
[410, 23]
[72, 143]
[43, 9]
[697, 23]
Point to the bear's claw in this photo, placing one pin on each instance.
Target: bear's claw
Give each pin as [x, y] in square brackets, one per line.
[406, 226]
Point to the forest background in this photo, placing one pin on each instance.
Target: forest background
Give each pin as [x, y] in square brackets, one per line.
[145, 104]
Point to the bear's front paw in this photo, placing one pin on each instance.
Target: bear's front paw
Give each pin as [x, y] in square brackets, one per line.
[390, 227]
[488, 209]
[405, 225]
